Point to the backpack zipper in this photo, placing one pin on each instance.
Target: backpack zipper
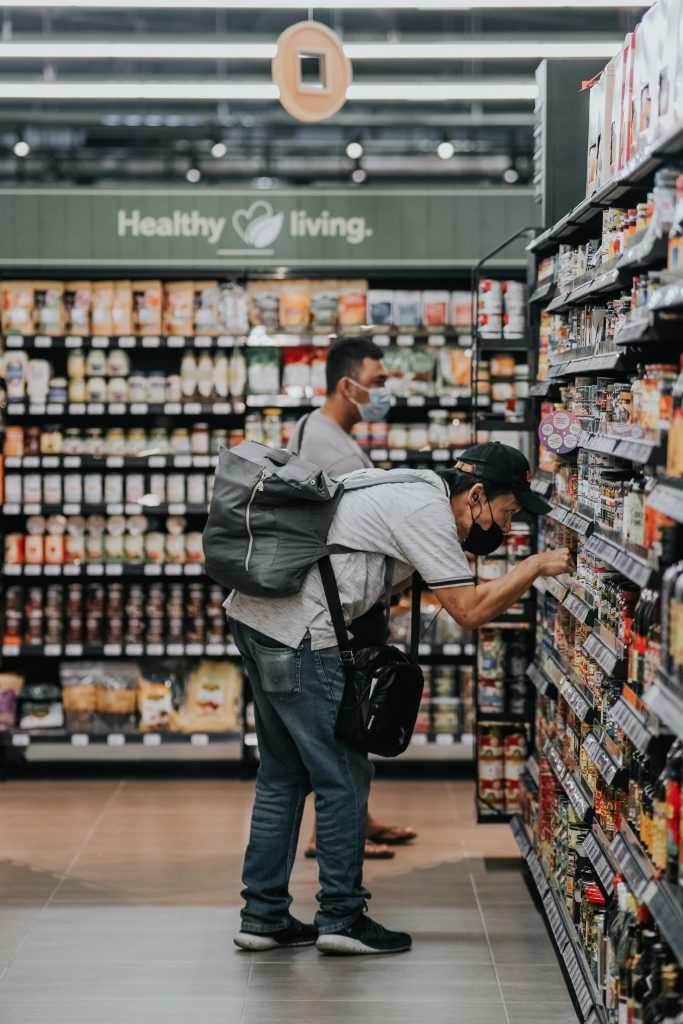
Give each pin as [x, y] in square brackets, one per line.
[258, 487]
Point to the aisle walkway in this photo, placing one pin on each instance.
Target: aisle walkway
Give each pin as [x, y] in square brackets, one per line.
[118, 901]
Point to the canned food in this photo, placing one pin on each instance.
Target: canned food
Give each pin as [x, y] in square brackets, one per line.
[175, 488]
[175, 548]
[52, 489]
[135, 487]
[134, 548]
[54, 549]
[34, 550]
[113, 489]
[74, 548]
[155, 544]
[33, 489]
[92, 488]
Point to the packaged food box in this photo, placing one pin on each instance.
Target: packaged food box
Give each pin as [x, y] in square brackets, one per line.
[407, 308]
[17, 307]
[207, 304]
[352, 304]
[77, 297]
[122, 308]
[324, 303]
[48, 307]
[295, 304]
[435, 308]
[380, 307]
[178, 316]
[147, 307]
[264, 303]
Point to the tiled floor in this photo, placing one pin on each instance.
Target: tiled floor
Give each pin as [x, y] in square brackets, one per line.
[118, 901]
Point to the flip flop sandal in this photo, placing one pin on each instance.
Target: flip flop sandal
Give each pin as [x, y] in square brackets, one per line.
[373, 851]
[393, 835]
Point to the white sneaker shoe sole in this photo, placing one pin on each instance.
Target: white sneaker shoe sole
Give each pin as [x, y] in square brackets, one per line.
[344, 945]
[261, 943]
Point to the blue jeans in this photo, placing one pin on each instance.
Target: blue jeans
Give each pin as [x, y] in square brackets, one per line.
[296, 695]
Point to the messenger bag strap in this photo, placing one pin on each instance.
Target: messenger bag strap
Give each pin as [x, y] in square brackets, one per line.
[415, 616]
[296, 447]
[331, 589]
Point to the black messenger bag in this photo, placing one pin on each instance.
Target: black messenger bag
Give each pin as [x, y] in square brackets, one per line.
[382, 685]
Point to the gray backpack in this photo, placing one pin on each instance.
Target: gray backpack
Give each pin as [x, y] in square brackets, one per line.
[270, 515]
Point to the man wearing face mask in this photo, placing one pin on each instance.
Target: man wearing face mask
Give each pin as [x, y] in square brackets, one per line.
[425, 523]
[356, 390]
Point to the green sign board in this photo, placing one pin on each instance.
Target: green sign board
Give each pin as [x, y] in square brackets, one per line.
[236, 229]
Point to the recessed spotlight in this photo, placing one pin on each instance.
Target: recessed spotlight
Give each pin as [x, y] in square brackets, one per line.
[193, 175]
[359, 175]
[445, 150]
[219, 149]
[511, 176]
[354, 151]
[21, 148]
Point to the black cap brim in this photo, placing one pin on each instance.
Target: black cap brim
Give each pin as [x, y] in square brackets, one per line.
[532, 502]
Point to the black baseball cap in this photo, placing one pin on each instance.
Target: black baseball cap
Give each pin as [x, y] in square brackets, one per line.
[503, 465]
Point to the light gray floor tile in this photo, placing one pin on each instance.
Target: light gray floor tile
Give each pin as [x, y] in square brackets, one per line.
[521, 985]
[156, 1010]
[382, 1012]
[541, 1013]
[127, 982]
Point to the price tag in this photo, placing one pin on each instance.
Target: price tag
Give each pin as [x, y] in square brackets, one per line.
[113, 570]
[15, 408]
[72, 462]
[73, 650]
[132, 508]
[114, 462]
[419, 739]
[42, 341]
[199, 739]
[13, 570]
[71, 570]
[139, 408]
[405, 340]
[32, 510]
[112, 650]
[215, 650]
[203, 341]
[437, 339]
[11, 651]
[175, 650]
[193, 408]
[151, 341]
[95, 409]
[398, 455]
[116, 739]
[232, 651]
[441, 455]
[201, 461]
[151, 739]
[117, 409]
[444, 739]
[157, 462]
[50, 462]
[20, 741]
[80, 739]
[127, 341]
[177, 508]
[99, 341]
[452, 650]
[71, 510]
[14, 341]
[424, 649]
[77, 408]
[175, 341]
[193, 570]
[415, 401]
[53, 570]
[31, 462]
[154, 650]
[134, 650]
[96, 569]
[14, 462]
[182, 461]
[32, 570]
[194, 650]
[222, 408]
[151, 570]
[172, 408]
[12, 509]
[173, 570]
[225, 341]
[71, 341]
[379, 455]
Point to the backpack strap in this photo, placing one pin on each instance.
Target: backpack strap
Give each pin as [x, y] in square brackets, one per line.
[331, 589]
[296, 447]
[416, 596]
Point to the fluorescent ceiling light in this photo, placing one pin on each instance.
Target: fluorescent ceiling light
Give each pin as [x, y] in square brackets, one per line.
[45, 49]
[402, 92]
[341, 5]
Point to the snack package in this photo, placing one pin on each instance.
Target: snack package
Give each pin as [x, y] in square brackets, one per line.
[628, 109]
[618, 100]
[178, 317]
[48, 307]
[461, 309]
[80, 682]
[318, 369]
[670, 91]
[117, 696]
[40, 707]
[17, 307]
[10, 687]
[263, 371]
[435, 308]
[233, 315]
[212, 698]
[296, 371]
[420, 370]
[207, 303]
[651, 50]
[455, 369]
[102, 309]
[264, 303]
[324, 303]
[352, 303]
[156, 686]
[407, 308]
[77, 295]
[147, 306]
[599, 124]
[295, 304]
[380, 307]
[395, 361]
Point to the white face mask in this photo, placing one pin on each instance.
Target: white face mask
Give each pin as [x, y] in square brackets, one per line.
[377, 408]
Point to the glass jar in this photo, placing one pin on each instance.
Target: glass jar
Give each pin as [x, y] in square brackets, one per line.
[199, 439]
[272, 427]
[180, 442]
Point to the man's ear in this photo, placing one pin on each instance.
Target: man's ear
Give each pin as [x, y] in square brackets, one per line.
[475, 495]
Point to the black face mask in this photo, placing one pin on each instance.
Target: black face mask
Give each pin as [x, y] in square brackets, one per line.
[480, 541]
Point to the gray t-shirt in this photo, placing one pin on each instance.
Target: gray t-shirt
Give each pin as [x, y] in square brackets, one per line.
[327, 445]
[412, 523]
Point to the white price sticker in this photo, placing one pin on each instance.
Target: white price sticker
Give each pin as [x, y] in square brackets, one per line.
[12, 509]
[71, 341]
[441, 455]
[96, 569]
[157, 462]
[55, 408]
[173, 570]
[151, 739]
[202, 341]
[193, 570]
[134, 650]
[154, 650]
[151, 341]
[127, 341]
[193, 408]
[20, 741]
[32, 570]
[398, 455]
[222, 408]
[71, 570]
[215, 650]
[114, 462]
[72, 462]
[13, 570]
[32, 510]
[202, 461]
[95, 409]
[112, 650]
[116, 739]
[194, 650]
[100, 342]
[53, 570]
[175, 341]
[199, 739]
[42, 341]
[152, 570]
[415, 401]
[172, 408]
[437, 339]
[71, 510]
[50, 462]
[114, 570]
[114, 510]
[419, 739]
[14, 341]
[405, 340]
[11, 651]
[77, 408]
[73, 650]
[139, 408]
[225, 341]
[31, 462]
[444, 739]
[80, 739]
[177, 508]
[182, 461]
[175, 650]
[117, 409]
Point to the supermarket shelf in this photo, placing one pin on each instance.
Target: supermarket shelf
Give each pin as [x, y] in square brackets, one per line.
[634, 719]
[541, 682]
[649, 328]
[640, 451]
[544, 292]
[647, 254]
[662, 899]
[438, 747]
[579, 797]
[596, 847]
[492, 424]
[435, 455]
[540, 388]
[559, 303]
[572, 520]
[79, 410]
[580, 700]
[632, 567]
[219, 650]
[533, 771]
[610, 768]
[129, 508]
[577, 607]
[89, 463]
[113, 739]
[504, 344]
[597, 443]
[669, 296]
[599, 363]
[667, 498]
[600, 283]
[539, 485]
[96, 569]
[464, 652]
[611, 661]
[665, 698]
[580, 980]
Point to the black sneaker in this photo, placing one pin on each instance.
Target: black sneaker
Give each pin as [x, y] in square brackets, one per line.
[364, 937]
[295, 934]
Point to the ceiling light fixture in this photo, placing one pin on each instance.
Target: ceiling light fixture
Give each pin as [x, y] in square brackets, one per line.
[354, 150]
[445, 150]
[406, 91]
[21, 148]
[218, 150]
[193, 175]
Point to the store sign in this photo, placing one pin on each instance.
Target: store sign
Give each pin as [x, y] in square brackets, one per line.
[238, 228]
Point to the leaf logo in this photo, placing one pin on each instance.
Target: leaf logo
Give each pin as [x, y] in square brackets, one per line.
[258, 226]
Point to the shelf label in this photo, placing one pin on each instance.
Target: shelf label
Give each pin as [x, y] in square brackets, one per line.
[134, 650]
[173, 570]
[42, 341]
[193, 569]
[116, 739]
[32, 570]
[203, 341]
[117, 409]
[72, 462]
[127, 341]
[71, 510]
[18, 740]
[50, 462]
[77, 408]
[222, 408]
[151, 570]
[175, 650]
[177, 508]
[73, 650]
[441, 455]
[193, 408]
[225, 341]
[11, 651]
[80, 739]
[96, 569]
[115, 569]
[172, 408]
[199, 739]
[157, 462]
[139, 408]
[112, 650]
[415, 401]
[154, 650]
[175, 341]
[99, 341]
[151, 341]
[71, 570]
[114, 462]
[151, 739]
